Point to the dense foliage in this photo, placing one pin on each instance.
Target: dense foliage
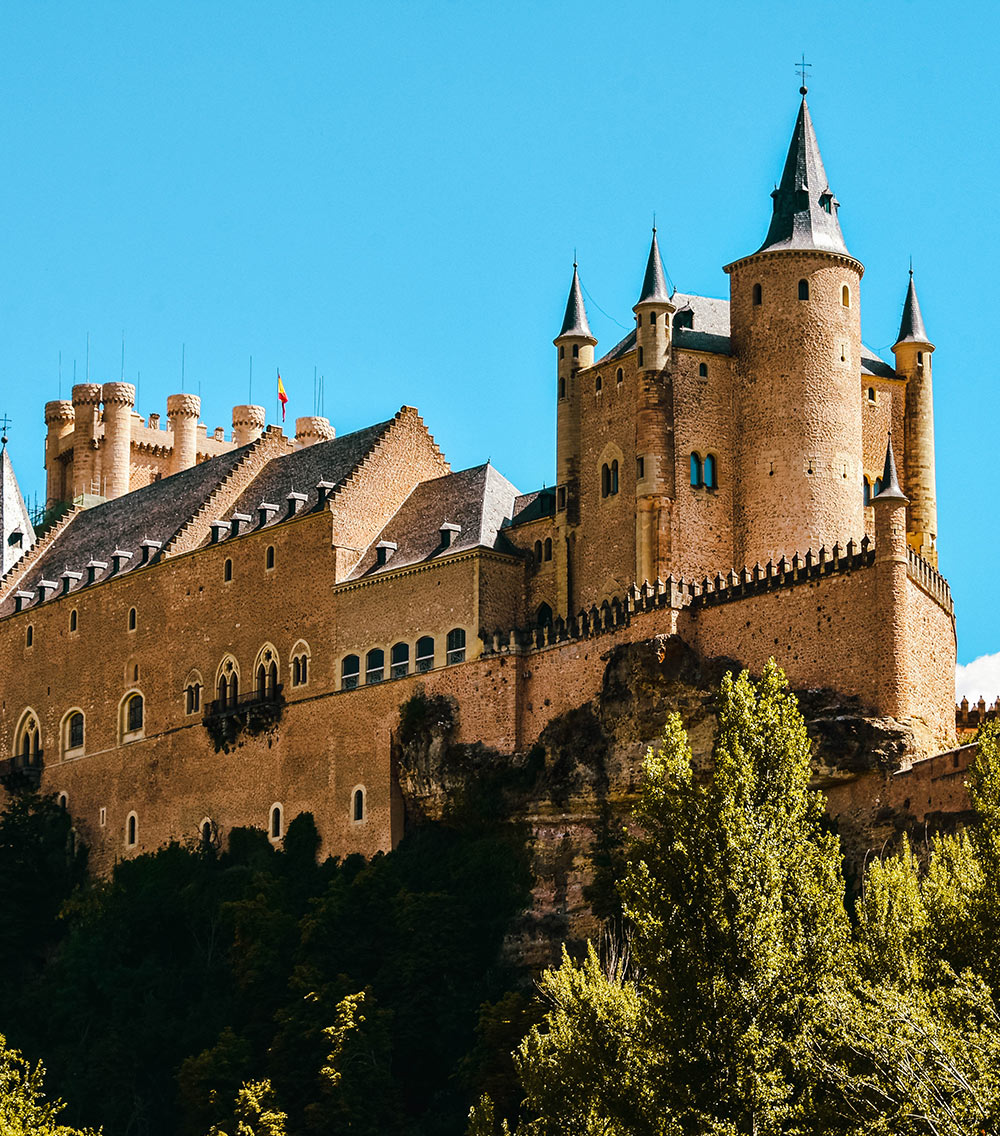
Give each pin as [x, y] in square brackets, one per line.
[195, 990]
[753, 998]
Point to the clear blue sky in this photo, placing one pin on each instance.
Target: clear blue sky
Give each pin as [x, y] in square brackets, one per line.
[392, 192]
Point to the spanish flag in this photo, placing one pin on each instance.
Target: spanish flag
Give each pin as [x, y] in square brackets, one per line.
[282, 397]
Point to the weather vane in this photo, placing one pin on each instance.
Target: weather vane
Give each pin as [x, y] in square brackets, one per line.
[4, 423]
[800, 70]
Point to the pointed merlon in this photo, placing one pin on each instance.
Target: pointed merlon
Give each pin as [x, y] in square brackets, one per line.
[805, 210]
[890, 490]
[575, 321]
[654, 283]
[911, 326]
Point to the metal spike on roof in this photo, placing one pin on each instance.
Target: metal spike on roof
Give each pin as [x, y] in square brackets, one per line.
[890, 490]
[805, 210]
[654, 283]
[575, 320]
[911, 326]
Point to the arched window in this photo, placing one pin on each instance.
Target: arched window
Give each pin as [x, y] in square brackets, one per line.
[576, 350]
[399, 660]
[871, 394]
[548, 548]
[269, 557]
[614, 477]
[132, 719]
[562, 352]
[28, 748]
[562, 387]
[266, 674]
[543, 617]
[605, 480]
[640, 356]
[227, 570]
[702, 370]
[131, 619]
[757, 295]
[845, 296]
[29, 635]
[619, 376]
[73, 732]
[274, 822]
[920, 358]
[803, 289]
[652, 317]
[597, 384]
[207, 833]
[131, 831]
[375, 666]
[63, 801]
[696, 479]
[425, 653]
[358, 805]
[300, 664]
[456, 646]
[709, 472]
[73, 620]
[866, 490]
[877, 487]
[192, 698]
[538, 552]
[350, 671]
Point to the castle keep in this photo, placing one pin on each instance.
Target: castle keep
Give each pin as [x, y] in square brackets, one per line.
[211, 632]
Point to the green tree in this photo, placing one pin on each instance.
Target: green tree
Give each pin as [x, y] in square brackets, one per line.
[24, 1109]
[255, 1113]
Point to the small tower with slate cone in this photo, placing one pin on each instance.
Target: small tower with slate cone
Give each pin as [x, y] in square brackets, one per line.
[913, 352]
[890, 637]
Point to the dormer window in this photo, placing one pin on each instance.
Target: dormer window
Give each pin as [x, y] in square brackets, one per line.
[826, 202]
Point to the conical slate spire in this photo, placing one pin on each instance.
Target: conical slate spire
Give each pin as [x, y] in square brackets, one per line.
[911, 326]
[805, 210]
[575, 320]
[890, 490]
[654, 283]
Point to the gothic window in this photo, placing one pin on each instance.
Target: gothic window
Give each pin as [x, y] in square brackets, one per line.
[350, 671]
[803, 289]
[703, 370]
[192, 698]
[266, 674]
[269, 557]
[227, 570]
[456, 646]
[206, 834]
[274, 825]
[399, 660]
[358, 805]
[300, 664]
[63, 801]
[228, 684]
[28, 750]
[757, 295]
[548, 548]
[619, 376]
[597, 384]
[425, 654]
[877, 487]
[709, 472]
[375, 666]
[73, 732]
[696, 478]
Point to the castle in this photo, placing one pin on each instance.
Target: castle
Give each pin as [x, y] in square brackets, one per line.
[212, 632]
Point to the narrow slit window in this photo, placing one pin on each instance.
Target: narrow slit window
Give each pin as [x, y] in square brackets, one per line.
[73, 620]
[619, 376]
[227, 570]
[758, 294]
[845, 296]
[275, 822]
[548, 548]
[269, 557]
[614, 477]
[131, 619]
[358, 807]
[803, 289]
[709, 472]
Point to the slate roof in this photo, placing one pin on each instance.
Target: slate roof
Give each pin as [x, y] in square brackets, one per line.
[480, 499]
[654, 283]
[300, 471]
[890, 490]
[575, 319]
[532, 506]
[154, 512]
[871, 364]
[701, 323]
[911, 326]
[805, 211]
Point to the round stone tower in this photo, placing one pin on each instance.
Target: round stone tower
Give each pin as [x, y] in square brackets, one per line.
[116, 459]
[796, 342]
[59, 418]
[248, 424]
[86, 405]
[183, 411]
[313, 429]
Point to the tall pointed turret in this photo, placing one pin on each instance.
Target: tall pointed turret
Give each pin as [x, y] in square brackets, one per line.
[890, 482]
[911, 326]
[16, 532]
[575, 320]
[805, 210]
[654, 283]
[913, 351]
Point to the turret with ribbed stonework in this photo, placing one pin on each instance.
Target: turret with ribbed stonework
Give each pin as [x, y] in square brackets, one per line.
[654, 433]
[796, 344]
[913, 351]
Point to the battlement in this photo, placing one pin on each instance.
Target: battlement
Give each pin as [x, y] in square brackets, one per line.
[927, 577]
[970, 716]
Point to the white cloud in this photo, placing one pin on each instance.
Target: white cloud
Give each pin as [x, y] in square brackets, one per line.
[980, 678]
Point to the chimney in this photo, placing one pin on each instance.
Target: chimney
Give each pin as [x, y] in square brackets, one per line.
[118, 558]
[383, 550]
[93, 567]
[264, 511]
[219, 530]
[295, 503]
[149, 550]
[449, 534]
[67, 580]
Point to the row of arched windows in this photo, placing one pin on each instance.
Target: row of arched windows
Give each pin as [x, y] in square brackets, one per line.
[803, 293]
[72, 731]
[399, 660]
[543, 551]
[704, 471]
[227, 565]
[871, 489]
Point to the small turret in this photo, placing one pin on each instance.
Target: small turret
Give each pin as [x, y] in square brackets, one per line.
[86, 404]
[59, 416]
[116, 458]
[913, 352]
[892, 663]
[248, 424]
[183, 411]
[653, 310]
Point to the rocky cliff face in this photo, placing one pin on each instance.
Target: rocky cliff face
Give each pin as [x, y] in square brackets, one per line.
[573, 790]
